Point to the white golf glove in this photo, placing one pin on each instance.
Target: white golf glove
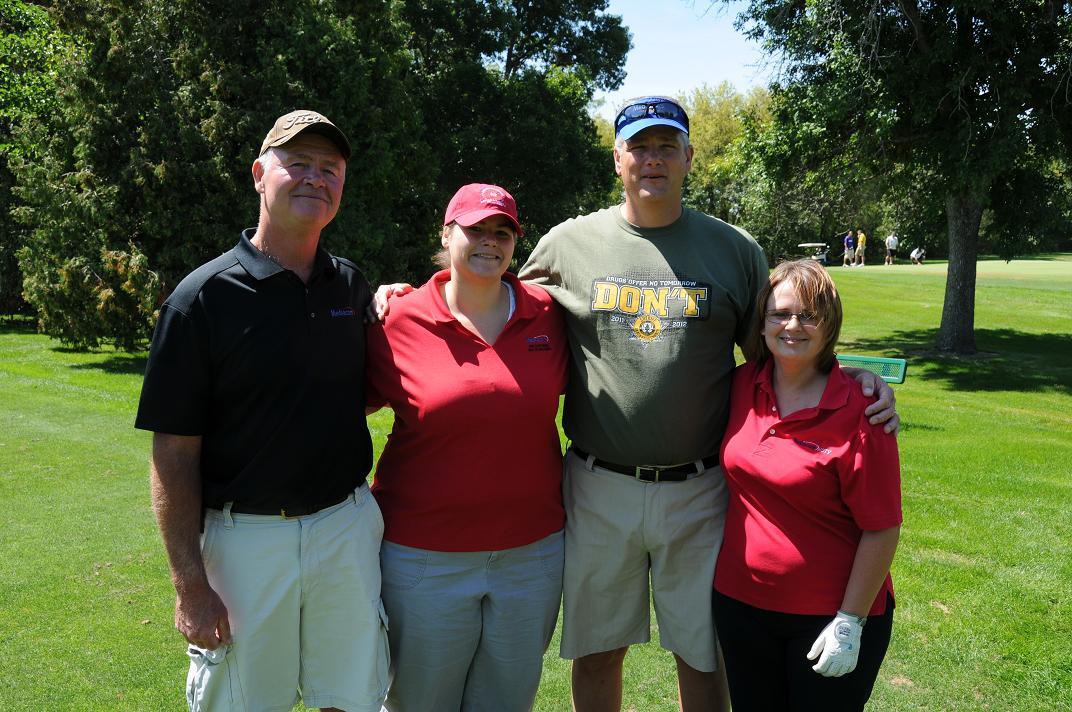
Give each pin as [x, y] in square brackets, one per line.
[838, 646]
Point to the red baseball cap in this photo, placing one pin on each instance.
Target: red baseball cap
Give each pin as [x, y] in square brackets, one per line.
[479, 201]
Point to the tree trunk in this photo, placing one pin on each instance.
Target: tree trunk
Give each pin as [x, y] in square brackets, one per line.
[957, 332]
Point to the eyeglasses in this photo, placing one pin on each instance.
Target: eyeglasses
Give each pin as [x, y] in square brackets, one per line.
[784, 317]
[653, 109]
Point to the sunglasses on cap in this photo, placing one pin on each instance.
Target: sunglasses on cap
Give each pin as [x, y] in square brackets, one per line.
[651, 108]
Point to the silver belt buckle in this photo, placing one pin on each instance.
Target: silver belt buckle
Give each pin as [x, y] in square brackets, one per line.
[638, 473]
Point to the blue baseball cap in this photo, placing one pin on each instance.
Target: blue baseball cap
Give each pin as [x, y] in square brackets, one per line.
[644, 112]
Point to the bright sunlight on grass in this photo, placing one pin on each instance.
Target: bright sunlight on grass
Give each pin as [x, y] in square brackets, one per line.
[983, 575]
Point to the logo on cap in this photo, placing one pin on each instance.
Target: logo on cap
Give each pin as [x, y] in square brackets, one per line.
[288, 126]
[493, 196]
[309, 118]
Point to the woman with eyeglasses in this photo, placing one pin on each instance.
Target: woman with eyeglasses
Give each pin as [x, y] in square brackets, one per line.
[814, 513]
[470, 479]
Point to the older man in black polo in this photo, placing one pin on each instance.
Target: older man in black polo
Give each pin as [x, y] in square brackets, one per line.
[254, 392]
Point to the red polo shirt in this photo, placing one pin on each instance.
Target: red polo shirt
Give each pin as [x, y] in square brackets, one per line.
[802, 490]
[474, 461]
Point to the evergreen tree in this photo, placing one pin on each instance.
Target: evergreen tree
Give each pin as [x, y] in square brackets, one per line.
[31, 48]
[145, 170]
[504, 89]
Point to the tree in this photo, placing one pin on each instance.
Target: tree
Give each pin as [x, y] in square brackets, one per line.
[743, 173]
[504, 87]
[144, 169]
[562, 33]
[910, 208]
[31, 48]
[715, 128]
[802, 188]
[965, 93]
[1031, 209]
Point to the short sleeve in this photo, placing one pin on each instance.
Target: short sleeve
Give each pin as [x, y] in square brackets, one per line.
[364, 293]
[379, 366]
[755, 278]
[541, 267]
[871, 484]
[176, 391]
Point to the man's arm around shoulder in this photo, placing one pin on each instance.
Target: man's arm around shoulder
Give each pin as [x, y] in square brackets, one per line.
[175, 480]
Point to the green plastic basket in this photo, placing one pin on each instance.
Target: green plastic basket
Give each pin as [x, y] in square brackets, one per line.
[892, 370]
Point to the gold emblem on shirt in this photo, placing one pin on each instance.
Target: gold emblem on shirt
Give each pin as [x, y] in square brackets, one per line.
[647, 327]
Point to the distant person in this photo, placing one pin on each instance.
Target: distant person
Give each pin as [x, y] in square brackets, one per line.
[814, 512]
[891, 247]
[861, 248]
[850, 249]
[470, 480]
[918, 255]
[254, 391]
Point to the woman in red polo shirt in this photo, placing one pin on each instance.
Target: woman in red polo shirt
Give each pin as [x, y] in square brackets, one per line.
[469, 483]
[814, 513]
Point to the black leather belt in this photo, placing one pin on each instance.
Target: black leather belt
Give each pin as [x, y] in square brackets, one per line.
[674, 473]
[285, 512]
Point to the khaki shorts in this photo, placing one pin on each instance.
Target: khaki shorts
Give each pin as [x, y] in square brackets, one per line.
[620, 530]
[303, 601]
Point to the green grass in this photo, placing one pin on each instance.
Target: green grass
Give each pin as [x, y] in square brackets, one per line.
[983, 575]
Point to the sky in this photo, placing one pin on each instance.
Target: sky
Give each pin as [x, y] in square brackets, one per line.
[677, 47]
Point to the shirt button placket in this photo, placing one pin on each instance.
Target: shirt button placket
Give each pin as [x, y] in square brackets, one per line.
[309, 306]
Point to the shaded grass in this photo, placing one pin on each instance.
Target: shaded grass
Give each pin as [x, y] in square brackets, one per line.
[983, 575]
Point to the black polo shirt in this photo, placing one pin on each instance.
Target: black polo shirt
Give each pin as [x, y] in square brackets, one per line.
[270, 373]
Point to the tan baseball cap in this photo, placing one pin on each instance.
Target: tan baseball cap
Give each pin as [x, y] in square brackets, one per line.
[298, 122]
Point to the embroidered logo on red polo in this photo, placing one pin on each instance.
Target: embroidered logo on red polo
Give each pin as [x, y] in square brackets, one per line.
[493, 196]
[762, 450]
[814, 447]
[539, 343]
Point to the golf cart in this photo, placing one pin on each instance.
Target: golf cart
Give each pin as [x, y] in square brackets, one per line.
[817, 251]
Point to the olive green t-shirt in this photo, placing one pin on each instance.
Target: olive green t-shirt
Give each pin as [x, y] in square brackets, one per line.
[652, 317]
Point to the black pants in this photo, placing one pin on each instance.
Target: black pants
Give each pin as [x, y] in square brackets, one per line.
[767, 665]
